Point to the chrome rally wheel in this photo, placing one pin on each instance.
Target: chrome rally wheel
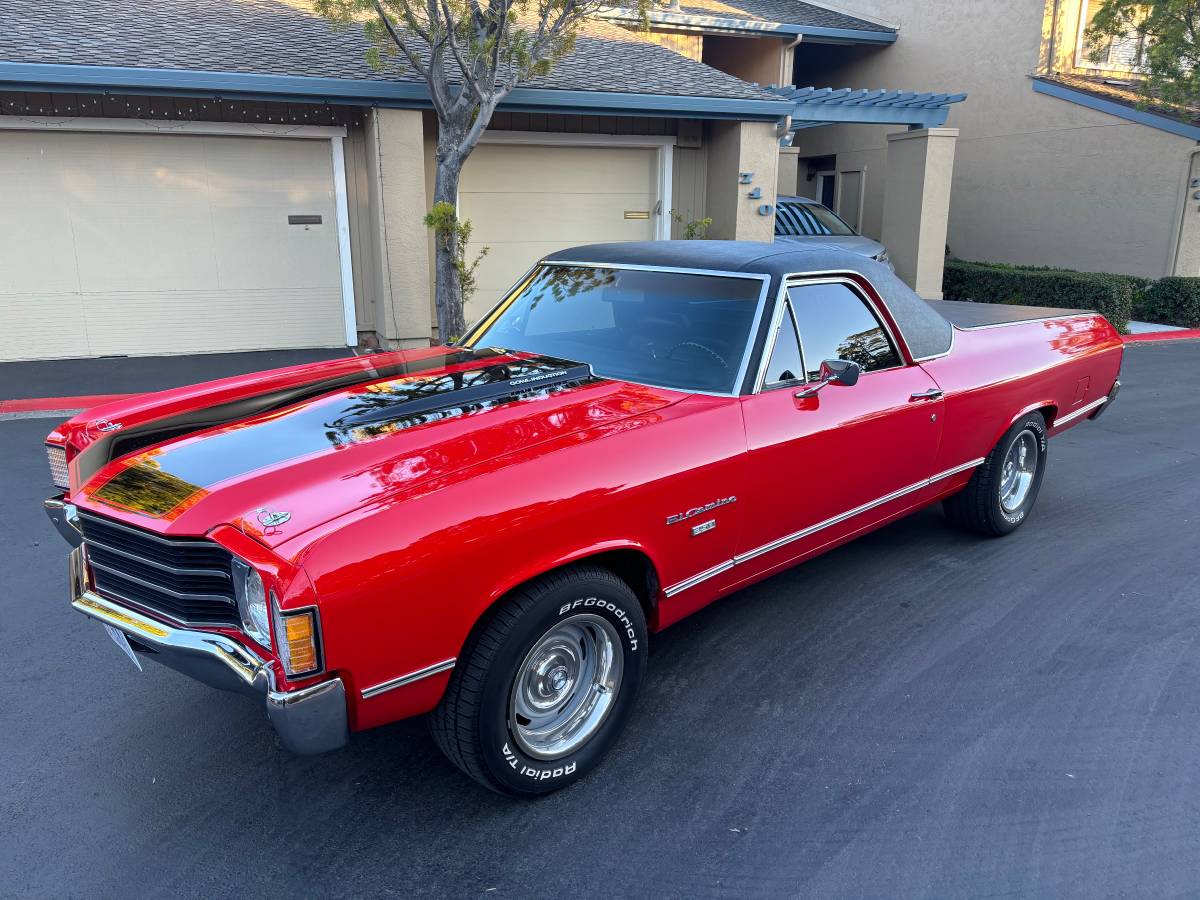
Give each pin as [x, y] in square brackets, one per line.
[1002, 491]
[1019, 469]
[546, 682]
[566, 686]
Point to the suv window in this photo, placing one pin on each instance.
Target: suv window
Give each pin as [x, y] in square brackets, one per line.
[785, 364]
[836, 323]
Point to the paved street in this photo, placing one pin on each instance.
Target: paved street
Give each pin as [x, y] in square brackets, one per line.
[921, 713]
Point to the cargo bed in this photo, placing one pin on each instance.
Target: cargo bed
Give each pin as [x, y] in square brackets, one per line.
[964, 314]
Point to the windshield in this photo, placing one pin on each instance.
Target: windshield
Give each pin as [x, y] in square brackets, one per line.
[669, 329]
[808, 220]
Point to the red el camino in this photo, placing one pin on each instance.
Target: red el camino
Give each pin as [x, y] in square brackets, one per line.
[489, 532]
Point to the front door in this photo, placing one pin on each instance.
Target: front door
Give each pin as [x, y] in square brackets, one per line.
[828, 465]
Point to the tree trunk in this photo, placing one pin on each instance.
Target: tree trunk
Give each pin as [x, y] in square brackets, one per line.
[448, 297]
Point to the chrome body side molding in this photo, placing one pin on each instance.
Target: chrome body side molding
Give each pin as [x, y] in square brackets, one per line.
[402, 680]
[820, 526]
[1083, 410]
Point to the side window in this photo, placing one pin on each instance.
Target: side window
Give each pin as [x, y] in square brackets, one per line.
[785, 364]
[836, 323]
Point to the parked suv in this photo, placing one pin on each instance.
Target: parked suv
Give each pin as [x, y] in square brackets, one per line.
[803, 219]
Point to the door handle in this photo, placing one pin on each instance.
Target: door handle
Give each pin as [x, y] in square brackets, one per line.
[931, 394]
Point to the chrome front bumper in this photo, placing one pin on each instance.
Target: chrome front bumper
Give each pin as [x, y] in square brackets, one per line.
[309, 720]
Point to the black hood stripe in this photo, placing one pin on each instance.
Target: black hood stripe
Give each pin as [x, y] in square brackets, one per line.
[110, 446]
[154, 483]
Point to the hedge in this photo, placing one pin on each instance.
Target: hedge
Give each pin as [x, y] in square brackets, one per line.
[1171, 301]
[1110, 295]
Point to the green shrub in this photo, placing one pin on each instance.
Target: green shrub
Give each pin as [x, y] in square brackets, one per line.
[1110, 295]
[1172, 301]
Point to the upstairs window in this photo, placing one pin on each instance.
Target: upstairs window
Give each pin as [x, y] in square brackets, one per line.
[1123, 53]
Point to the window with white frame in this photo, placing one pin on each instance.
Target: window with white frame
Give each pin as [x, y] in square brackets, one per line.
[1121, 53]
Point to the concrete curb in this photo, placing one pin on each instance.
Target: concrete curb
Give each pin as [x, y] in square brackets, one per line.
[52, 404]
[1191, 334]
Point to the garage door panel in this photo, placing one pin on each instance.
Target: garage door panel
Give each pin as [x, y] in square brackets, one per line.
[208, 321]
[586, 217]
[152, 170]
[558, 169]
[135, 248]
[295, 255]
[42, 326]
[36, 251]
[289, 171]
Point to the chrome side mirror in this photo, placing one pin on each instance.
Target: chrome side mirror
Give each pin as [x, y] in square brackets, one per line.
[833, 371]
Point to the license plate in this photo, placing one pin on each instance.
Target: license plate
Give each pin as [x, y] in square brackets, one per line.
[121, 641]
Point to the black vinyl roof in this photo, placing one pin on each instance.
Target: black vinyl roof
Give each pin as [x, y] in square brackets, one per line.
[925, 331]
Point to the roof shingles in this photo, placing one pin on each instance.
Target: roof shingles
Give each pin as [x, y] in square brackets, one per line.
[782, 12]
[284, 37]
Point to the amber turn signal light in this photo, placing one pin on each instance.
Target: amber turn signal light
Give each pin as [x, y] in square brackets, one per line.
[299, 639]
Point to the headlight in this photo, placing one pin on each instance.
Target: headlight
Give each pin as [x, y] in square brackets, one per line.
[298, 633]
[57, 455]
[252, 603]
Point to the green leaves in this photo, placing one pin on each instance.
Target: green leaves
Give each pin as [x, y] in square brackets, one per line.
[453, 235]
[1168, 32]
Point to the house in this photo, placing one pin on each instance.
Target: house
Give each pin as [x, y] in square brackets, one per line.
[1056, 162]
[185, 176]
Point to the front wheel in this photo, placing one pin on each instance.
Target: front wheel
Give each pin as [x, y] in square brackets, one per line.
[545, 687]
[1001, 493]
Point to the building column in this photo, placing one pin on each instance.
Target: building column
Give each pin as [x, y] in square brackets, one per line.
[789, 171]
[397, 203]
[737, 151]
[1185, 256]
[916, 204]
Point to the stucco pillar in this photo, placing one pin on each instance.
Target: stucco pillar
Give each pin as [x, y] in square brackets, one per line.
[1185, 260]
[397, 204]
[789, 169]
[737, 150]
[916, 204]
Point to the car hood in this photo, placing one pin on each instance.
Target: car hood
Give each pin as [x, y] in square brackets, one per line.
[280, 472]
[855, 243]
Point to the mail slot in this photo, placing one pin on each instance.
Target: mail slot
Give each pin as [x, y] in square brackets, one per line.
[637, 213]
[304, 220]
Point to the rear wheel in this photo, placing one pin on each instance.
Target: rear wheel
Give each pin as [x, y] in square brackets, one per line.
[1002, 491]
[545, 687]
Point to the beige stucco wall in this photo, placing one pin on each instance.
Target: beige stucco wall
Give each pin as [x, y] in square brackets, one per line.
[1185, 255]
[1036, 180]
[733, 148]
[754, 59]
[394, 140]
[363, 248]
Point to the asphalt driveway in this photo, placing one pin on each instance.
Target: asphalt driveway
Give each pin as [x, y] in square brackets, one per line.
[921, 713]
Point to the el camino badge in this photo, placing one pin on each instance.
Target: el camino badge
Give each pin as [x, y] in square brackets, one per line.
[700, 510]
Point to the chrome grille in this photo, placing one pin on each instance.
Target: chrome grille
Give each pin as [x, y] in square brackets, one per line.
[187, 580]
[57, 455]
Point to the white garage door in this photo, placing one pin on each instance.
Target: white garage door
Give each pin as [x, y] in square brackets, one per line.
[525, 201]
[152, 244]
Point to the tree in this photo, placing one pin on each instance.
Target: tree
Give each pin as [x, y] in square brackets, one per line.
[471, 54]
[1169, 34]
